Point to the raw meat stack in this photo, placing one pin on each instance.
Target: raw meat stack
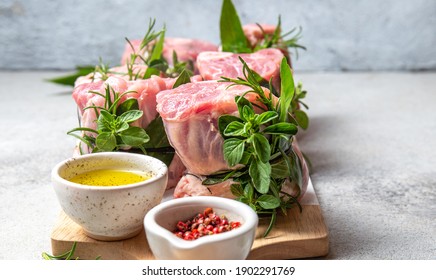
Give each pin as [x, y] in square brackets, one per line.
[189, 112]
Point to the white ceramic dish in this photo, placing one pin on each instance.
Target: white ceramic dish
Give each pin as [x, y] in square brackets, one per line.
[109, 213]
[160, 221]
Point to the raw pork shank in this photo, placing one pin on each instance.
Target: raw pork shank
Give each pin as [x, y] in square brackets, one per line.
[186, 49]
[144, 91]
[190, 113]
[214, 65]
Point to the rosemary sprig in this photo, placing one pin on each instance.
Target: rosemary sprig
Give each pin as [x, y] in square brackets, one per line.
[68, 255]
[150, 53]
[280, 41]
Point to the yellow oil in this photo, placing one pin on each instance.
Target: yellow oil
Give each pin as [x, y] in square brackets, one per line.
[109, 178]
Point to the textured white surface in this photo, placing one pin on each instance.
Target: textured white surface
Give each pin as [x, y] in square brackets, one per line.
[339, 34]
[371, 141]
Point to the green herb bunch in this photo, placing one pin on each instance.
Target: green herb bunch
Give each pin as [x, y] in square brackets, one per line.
[233, 38]
[150, 53]
[114, 131]
[258, 144]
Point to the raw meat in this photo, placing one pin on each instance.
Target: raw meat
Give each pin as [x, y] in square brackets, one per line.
[190, 184]
[254, 33]
[214, 65]
[190, 114]
[186, 49]
[142, 90]
[119, 71]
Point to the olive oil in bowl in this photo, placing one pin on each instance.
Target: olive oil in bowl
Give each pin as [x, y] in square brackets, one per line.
[110, 177]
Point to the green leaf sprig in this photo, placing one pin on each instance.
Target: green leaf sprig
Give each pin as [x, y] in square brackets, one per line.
[113, 125]
[233, 38]
[68, 255]
[279, 41]
[150, 53]
[69, 80]
[258, 145]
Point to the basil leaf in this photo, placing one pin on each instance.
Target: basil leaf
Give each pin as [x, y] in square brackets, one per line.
[232, 35]
[134, 136]
[260, 175]
[267, 201]
[225, 120]
[69, 80]
[130, 116]
[127, 105]
[261, 147]
[281, 128]
[233, 150]
[106, 141]
[302, 119]
[234, 128]
[183, 78]
[266, 117]
[287, 89]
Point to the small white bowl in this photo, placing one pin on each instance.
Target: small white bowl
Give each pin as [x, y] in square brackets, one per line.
[160, 222]
[109, 213]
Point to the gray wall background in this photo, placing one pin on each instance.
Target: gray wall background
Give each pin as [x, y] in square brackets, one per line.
[339, 35]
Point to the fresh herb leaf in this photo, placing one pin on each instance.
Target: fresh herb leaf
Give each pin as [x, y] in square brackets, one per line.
[281, 128]
[106, 141]
[267, 201]
[69, 80]
[225, 120]
[183, 78]
[302, 119]
[134, 136]
[261, 147]
[130, 116]
[232, 35]
[68, 255]
[233, 150]
[158, 146]
[128, 105]
[287, 89]
[235, 128]
[260, 175]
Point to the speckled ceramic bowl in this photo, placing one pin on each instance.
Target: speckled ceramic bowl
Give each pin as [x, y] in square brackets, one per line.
[236, 244]
[109, 213]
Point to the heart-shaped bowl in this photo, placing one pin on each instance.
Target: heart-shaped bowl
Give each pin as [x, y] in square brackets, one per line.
[160, 223]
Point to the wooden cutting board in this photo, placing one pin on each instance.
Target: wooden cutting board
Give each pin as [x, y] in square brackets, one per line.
[295, 236]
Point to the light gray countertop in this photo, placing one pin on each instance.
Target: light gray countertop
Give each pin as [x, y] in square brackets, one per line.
[371, 141]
